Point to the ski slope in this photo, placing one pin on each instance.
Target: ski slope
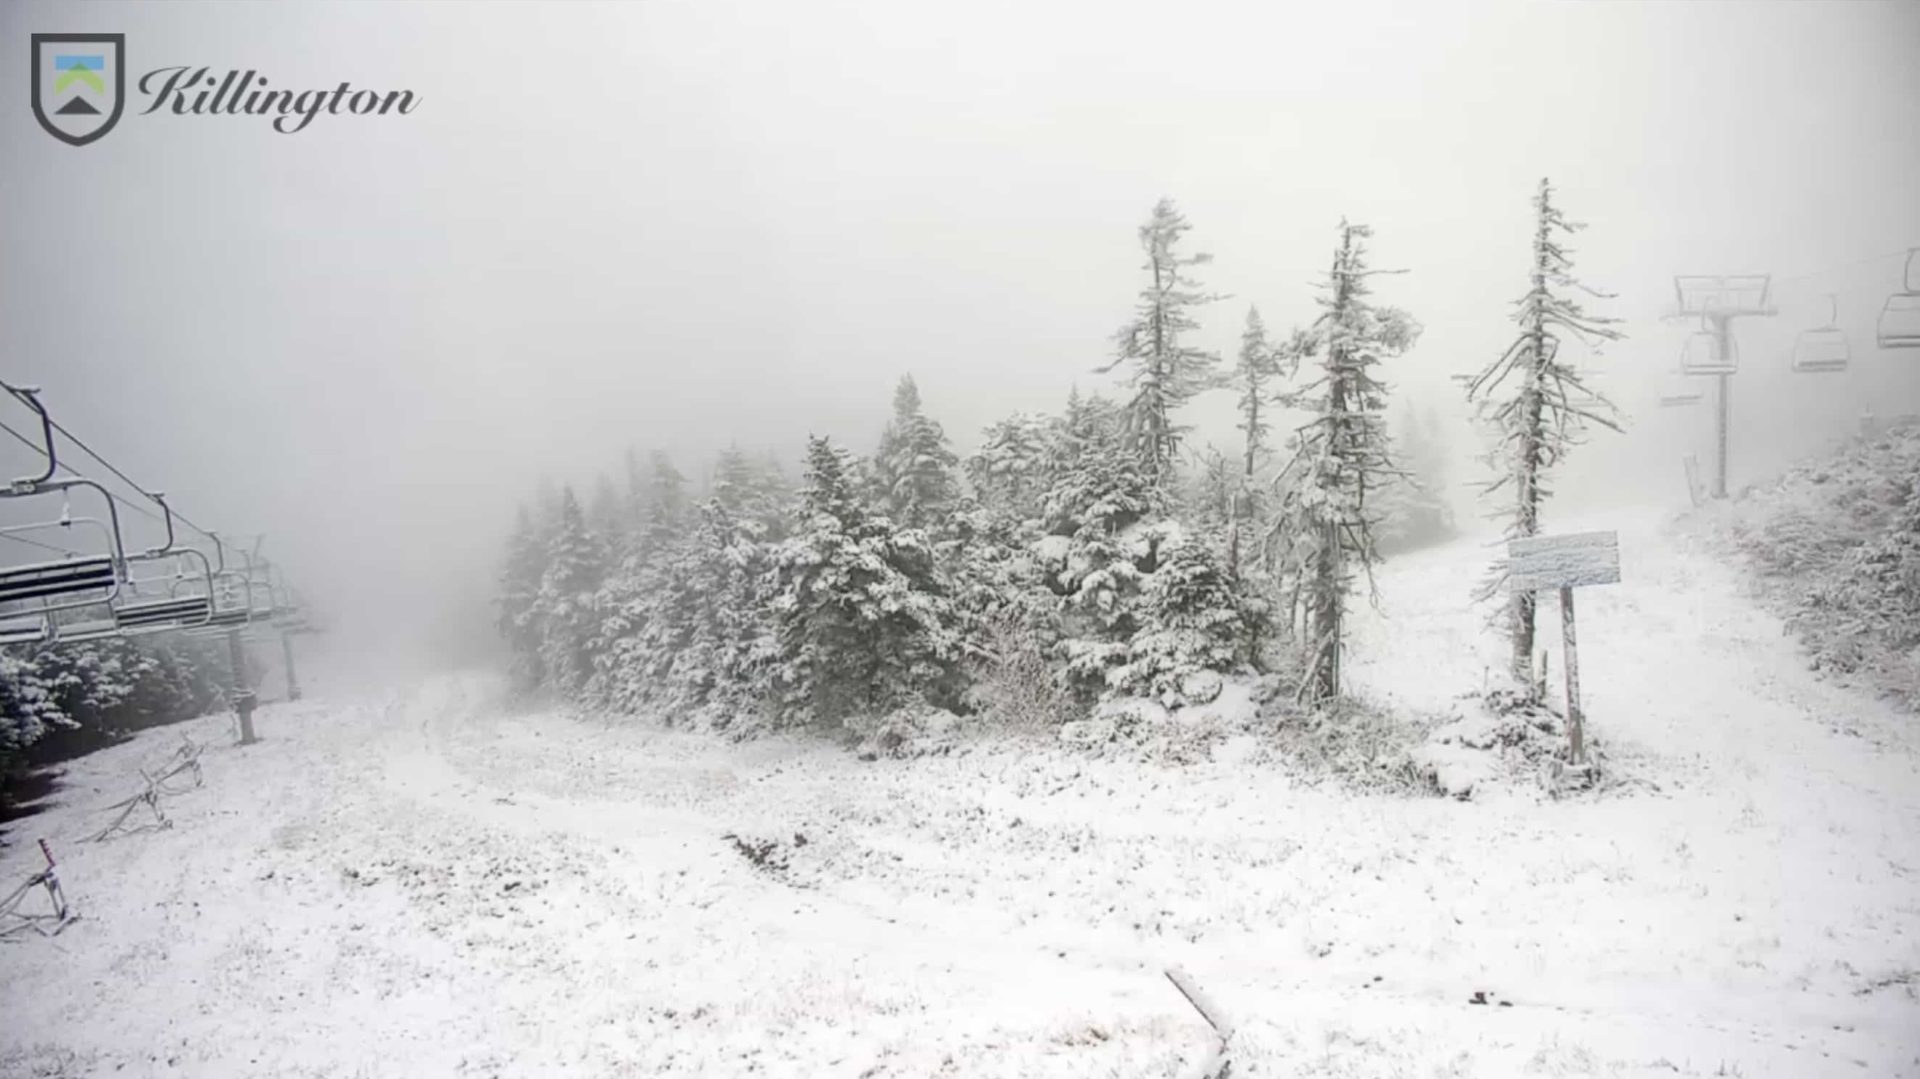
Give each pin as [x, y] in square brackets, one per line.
[421, 883]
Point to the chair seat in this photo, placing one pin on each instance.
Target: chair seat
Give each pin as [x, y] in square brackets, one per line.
[48, 579]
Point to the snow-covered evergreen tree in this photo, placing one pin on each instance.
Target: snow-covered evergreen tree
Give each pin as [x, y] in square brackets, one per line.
[1214, 499]
[1163, 370]
[1099, 506]
[862, 626]
[1009, 472]
[1343, 456]
[519, 592]
[914, 468]
[754, 492]
[29, 708]
[565, 608]
[1193, 628]
[1258, 366]
[663, 504]
[1094, 482]
[1536, 402]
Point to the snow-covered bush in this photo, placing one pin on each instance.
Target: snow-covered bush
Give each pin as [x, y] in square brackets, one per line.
[61, 700]
[1349, 741]
[915, 730]
[1835, 544]
[28, 709]
[1506, 734]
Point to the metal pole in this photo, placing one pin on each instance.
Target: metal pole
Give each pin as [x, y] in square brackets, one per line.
[1723, 411]
[293, 678]
[243, 699]
[1576, 735]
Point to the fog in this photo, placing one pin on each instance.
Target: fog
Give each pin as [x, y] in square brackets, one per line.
[680, 225]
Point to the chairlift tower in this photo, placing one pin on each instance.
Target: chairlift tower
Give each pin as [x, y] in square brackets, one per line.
[1716, 300]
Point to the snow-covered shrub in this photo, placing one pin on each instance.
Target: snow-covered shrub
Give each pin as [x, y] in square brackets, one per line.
[1835, 544]
[1505, 735]
[28, 709]
[60, 700]
[916, 730]
[1137, 728]
[1016, 682]
[1349, 741]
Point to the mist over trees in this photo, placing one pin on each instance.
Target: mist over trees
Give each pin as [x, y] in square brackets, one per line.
[1073, 559]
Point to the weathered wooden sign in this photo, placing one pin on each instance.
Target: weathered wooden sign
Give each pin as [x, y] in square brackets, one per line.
[1566, 562]
[1571, 561]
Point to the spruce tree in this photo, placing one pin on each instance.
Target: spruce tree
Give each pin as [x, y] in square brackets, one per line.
[862, 628]
[663, 503]
[1163, 371]
[1258, 366]
[565, 609]
[1343, 456]
[519, 592]
[1193, 624]
[1536, 402]
[914, 468]
[1009, 472]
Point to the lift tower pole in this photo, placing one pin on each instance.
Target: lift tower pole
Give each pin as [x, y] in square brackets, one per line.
[1716, 300]
[243, 698]
[293, 677]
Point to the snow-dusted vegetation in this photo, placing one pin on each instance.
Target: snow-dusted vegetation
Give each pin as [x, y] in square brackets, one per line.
[1073, 568]
[1835, 546]
[850, 541]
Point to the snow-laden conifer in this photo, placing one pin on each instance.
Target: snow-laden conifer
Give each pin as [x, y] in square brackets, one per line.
[1536, 402]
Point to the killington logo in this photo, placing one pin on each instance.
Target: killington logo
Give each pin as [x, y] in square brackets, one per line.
[80, 88]
[79, 84]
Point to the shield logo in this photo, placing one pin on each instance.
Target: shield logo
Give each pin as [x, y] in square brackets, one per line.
[79, 84]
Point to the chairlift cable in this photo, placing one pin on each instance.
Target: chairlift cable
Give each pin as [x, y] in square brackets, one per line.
[36, 543]
[138, 506]
[1778, 281]
[108, 465]
[69, 470]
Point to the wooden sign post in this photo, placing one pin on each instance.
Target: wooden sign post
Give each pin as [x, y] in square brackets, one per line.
[1537, 563]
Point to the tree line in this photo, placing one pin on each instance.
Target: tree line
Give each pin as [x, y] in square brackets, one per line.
[1081, 556]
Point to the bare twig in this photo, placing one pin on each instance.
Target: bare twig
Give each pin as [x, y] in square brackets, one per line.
[1215, 1064]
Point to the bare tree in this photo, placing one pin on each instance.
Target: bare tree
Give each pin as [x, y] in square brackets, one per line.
[1536, 402]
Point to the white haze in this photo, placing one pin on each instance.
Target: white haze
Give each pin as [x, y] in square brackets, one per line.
[675, 225]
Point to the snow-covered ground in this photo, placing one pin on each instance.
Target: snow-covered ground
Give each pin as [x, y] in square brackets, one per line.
[421, 883]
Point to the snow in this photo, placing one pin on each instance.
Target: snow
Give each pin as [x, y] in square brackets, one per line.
[422, 882]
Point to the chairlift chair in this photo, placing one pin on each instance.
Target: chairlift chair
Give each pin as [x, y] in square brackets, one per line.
[29, 629]
[1702, 354]
[173, 610]
[1900, 318]
[78, 580]
[1824, 347]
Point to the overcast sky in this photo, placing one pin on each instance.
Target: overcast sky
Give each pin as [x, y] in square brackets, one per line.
[675, 225]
